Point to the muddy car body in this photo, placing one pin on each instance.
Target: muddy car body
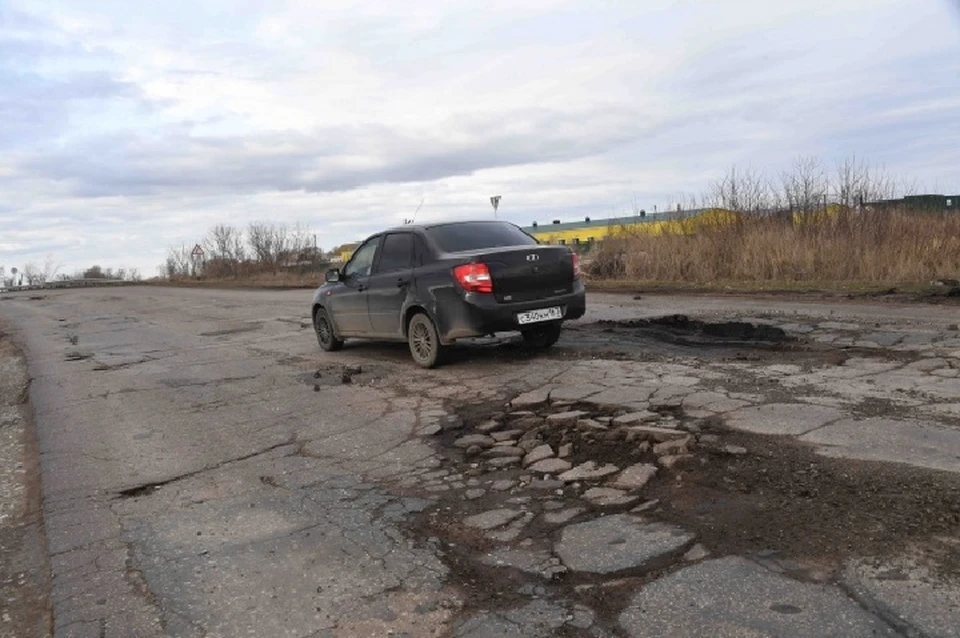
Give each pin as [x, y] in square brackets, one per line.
[432, 284]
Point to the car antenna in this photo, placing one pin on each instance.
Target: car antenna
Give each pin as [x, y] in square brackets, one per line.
[417, 211]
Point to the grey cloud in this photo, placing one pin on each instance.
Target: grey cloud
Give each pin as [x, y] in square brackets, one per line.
[32, 249]
[321, 161]
[34, 108]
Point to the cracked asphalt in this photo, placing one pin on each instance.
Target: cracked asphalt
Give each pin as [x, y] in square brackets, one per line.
[756, 466]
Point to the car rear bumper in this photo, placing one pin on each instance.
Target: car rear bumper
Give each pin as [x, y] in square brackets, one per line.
[475, 314]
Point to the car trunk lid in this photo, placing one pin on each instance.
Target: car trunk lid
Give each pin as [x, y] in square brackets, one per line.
[528, 273]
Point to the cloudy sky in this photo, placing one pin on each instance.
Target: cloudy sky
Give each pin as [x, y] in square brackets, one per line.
[129, 127]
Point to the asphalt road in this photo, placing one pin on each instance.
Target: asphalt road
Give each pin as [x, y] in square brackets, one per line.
[208, 471]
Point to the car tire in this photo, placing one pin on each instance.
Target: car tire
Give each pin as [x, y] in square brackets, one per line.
[425, 346]
[323, 327]
[542, 337]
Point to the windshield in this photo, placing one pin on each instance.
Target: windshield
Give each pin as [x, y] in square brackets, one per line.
[457, 238]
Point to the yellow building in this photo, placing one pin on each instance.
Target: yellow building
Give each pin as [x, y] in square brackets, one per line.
[583, 235]
[342, 254]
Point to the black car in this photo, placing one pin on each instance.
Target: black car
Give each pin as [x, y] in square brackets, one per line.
[432, 284]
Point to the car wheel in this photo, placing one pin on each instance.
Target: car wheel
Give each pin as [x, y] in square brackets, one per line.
[542, 336]
[325, 334]
[425, 346]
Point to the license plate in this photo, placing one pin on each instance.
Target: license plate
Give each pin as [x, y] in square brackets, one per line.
[535, 316]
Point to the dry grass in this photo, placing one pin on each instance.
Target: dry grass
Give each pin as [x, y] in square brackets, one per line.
[844, 248]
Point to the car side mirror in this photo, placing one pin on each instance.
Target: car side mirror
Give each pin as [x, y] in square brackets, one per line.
[332, 276]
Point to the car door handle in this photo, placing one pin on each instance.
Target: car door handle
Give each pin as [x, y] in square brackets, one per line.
[401, 282]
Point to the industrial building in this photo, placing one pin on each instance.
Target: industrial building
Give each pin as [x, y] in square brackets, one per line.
[920, 203]
[584, 234]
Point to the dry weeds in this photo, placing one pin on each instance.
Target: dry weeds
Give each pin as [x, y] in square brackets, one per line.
[881, 247]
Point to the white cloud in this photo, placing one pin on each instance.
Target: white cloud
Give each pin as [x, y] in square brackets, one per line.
[129, 131]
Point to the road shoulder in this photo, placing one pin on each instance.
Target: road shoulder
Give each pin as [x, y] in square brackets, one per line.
[25, 574]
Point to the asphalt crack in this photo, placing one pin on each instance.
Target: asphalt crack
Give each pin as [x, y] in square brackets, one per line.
[144, 489]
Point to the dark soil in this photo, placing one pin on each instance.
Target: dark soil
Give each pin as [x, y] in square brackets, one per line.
[678, 335]
[933, 294]
[682, 329]
[813, 510]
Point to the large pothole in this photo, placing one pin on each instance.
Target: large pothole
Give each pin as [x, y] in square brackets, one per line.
[585, 503]
[683, 329]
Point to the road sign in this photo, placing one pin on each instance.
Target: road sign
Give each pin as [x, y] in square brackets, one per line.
[197, 252]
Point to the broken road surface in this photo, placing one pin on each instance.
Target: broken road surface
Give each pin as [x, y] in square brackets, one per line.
[675, 466]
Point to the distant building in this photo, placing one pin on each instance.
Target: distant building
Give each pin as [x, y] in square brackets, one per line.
[342, 254]
[920, 203]
[582, 235]
[306, 257]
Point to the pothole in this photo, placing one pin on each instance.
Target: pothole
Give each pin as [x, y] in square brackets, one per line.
[680, 335]
[519, 489]
[251, 326]
[683, 329]
[336, 375]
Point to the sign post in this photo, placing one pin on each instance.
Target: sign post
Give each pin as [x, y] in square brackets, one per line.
[196, 256]
[495, 202]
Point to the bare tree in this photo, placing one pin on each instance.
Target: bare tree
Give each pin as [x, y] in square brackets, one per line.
[33, 274]
[281, 244]
[743, 191]
[134, 275]
[177, 264]
[856, 182]
[850, 180]
[688, 201]
[301, 245]
[300, 238]
[269, 243]
[805, 186]
[225, 245]
[50, 268]
[261, 242]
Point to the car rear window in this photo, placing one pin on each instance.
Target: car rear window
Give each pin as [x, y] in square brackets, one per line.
[457, 238]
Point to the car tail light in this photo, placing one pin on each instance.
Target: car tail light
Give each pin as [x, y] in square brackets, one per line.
[474, 277]
[576, 266]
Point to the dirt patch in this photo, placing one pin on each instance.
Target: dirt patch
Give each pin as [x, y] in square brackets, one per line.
[24, 563]
[249, 327]
[335, 375]
[783, 498]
